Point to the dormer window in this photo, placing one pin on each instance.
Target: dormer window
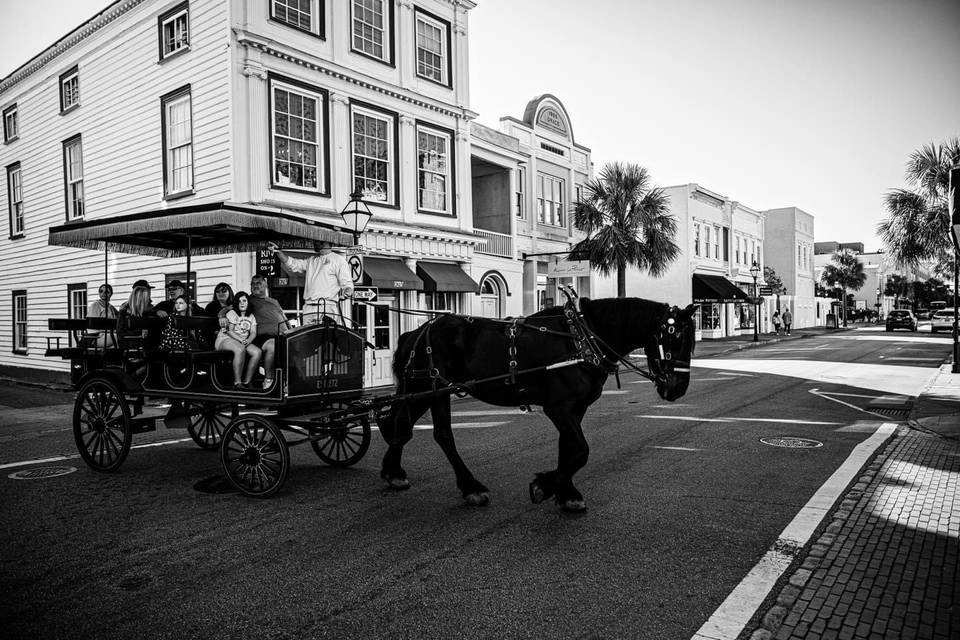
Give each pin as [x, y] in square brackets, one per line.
[11, 124]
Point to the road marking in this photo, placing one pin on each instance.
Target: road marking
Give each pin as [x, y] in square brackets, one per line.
[674, 448]
[735, 612]
[615, 392]
[24, 463]
[909, 358]
[826, 396]
[462, 425]
[776, 420]
[710, 379]
[491, 412]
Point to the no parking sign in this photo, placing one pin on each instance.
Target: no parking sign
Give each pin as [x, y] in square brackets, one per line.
[356, 267]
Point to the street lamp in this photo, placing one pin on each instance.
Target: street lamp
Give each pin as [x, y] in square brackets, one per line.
[755, 271]
[356, 215]
[878, 303]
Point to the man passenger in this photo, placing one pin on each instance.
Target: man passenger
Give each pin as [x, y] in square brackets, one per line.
[271, 322]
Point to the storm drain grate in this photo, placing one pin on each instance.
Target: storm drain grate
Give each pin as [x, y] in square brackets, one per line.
[41, 472]
[789, 442]
[893, 412]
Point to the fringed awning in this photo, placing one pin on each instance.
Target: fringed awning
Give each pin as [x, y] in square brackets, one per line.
[218, 227]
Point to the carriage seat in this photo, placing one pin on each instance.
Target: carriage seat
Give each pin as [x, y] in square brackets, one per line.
[83, 344]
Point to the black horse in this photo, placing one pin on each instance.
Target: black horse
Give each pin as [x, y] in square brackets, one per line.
[558, 359]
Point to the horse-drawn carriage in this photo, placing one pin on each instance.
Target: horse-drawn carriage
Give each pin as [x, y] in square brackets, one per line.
[558, 359]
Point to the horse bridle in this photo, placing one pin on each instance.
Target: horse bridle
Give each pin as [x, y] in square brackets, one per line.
[669, 337]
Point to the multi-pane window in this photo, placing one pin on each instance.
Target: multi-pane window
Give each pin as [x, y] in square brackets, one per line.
[442, 301]
[177, 142]
[73, 177]
[433, 170]
[76, 302]
[373, 162]
[716, 243]
[521, 193]
[550, 200]
[371, 30]
[381, 323]
[737, 253]
[15, 199]
[696, 239]
[174, 30]
[302, 14]
[753, 251]
[297, 136]
[20, 321]
[11, 124]
[432, 49]
[69, 89]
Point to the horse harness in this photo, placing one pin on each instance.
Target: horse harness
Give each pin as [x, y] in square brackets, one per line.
[587, 349]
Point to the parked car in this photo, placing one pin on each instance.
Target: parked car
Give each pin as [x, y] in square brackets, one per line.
[924, 314]
[901, 319]
[942, 320]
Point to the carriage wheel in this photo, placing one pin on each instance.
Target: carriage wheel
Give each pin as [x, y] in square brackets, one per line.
[255, 456]
[207, 421]
[101, 425]
[344, 443]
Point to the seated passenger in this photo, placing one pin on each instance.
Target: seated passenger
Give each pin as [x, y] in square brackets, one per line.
[175, 338]
[237, 337]
[218, 307]
[101, 308]
[137, 306]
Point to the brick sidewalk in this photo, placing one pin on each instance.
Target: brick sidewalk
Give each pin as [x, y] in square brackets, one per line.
[886, 565]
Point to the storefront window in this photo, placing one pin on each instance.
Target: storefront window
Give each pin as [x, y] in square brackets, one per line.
[746, 313]
[708, 317]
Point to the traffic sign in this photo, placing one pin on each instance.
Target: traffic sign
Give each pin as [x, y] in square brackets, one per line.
[356, 267]
[365, 294]
[355, 250]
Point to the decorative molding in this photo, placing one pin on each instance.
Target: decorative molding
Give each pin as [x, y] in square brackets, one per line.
[339, 98]
[74, 38]
[254, 70]
[407, 120]
[247, 39]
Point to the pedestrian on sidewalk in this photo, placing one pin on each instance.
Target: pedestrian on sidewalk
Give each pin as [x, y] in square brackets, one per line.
[787, 321]
[776, 321]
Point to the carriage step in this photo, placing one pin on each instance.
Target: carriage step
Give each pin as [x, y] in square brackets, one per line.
[144, 425]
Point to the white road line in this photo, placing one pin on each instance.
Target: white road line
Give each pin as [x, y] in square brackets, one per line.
[615, 392]
[908, 358]
[826, 396]
[24, 463]
[732, 615]
[776, 420]
[674, 448]
[709, 379]
[462, 425]
[491, 412]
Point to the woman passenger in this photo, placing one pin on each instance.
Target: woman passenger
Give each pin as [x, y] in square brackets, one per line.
[217, 308]
[101, 308]
[237, 337]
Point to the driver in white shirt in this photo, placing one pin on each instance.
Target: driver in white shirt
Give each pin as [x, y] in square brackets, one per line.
[327, 281]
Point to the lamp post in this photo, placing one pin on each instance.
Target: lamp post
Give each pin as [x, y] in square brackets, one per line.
[356, 215]
[878, 303]
[755, 271]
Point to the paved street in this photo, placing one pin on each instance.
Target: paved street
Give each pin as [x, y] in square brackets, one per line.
[684, 499]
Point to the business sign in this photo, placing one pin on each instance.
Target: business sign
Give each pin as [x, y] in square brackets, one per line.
[267, 263]
[568, 268]
[365, 294]
[953, 205]
[355, 250]
[356, 267]
[766, 291]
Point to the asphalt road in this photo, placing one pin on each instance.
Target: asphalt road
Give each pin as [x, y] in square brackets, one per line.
[683, 499]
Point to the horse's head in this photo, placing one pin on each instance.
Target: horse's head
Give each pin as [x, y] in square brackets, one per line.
[669, 351]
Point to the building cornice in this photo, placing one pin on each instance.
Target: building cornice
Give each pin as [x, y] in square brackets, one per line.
[278, 50]
[67, 42]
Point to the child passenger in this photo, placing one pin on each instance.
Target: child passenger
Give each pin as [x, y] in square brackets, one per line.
[237, 337]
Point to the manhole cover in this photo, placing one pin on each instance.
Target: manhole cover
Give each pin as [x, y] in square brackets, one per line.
[792, 443]
[41, 472]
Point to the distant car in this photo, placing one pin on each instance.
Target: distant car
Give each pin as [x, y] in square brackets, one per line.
[901, 319]
[942, 319]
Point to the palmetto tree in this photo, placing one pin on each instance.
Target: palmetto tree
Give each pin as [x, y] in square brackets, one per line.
[627, 222]
[917, 227]
[846, 270]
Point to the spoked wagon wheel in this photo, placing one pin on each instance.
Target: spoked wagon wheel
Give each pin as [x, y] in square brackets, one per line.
[345, 443]
[255, 456]
[206, 422]
[101, 425]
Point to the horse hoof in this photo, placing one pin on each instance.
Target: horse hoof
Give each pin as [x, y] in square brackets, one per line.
[537, 495]
[398, 484]
[574, 506]
[477, 499]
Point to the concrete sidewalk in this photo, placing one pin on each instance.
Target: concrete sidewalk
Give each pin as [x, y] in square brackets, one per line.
[885, 562]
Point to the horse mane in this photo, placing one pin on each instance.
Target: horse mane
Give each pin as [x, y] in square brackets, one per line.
[626, 322]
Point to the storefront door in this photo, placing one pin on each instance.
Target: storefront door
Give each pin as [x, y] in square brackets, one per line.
[378, 322]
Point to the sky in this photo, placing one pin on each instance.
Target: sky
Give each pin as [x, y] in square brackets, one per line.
[773, 103]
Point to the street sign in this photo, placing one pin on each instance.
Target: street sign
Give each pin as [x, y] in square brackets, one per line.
[355, 250]
[567, 268]
[766, 291]
[365, 294]
[356, 268]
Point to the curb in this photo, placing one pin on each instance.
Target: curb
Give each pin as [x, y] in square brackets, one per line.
[18, 382]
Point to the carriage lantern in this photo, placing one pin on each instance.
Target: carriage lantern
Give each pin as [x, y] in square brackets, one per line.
[356, 215]
[755, 272]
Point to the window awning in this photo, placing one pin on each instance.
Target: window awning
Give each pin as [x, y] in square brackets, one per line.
[440, 276]
[707, 288]
[389, 273]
